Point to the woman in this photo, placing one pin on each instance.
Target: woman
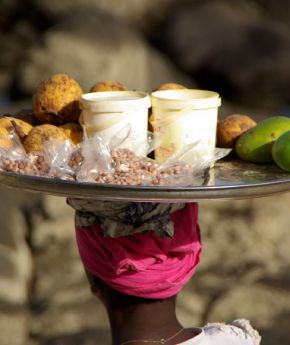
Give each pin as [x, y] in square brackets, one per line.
[138, 276]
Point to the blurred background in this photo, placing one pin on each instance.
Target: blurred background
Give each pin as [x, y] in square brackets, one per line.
[240, 49]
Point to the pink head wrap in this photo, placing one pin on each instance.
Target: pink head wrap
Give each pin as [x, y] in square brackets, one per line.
[144, 264]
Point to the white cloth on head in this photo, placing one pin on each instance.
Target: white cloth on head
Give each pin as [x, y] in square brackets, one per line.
[240, 332]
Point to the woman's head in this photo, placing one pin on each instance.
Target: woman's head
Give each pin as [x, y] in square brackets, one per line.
[143, 264]
[113, 299]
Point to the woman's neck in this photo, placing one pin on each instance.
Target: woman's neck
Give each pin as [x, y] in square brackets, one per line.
[146, 321]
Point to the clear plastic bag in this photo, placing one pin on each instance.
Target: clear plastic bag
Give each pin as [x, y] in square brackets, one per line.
[188, 166]
[13, 157]
[12, 148]
[112, 163]
[96, 159]
[56, 155]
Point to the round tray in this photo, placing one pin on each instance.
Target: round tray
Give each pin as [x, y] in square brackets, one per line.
[229, 179]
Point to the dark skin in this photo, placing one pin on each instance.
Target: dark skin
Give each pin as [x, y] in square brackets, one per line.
[135, 318]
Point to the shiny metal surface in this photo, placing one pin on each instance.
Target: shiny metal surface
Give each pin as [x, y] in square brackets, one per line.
[229, 179]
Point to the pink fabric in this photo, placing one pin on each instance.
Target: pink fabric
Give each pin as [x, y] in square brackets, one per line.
[144, 264]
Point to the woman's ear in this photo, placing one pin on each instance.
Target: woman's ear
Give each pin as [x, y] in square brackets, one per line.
[95, 290]
[95, 284]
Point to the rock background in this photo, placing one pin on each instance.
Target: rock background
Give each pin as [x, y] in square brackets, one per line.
[240, 50]
[46, 300]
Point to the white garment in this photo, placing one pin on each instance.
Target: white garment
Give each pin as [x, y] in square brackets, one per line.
[240, 332]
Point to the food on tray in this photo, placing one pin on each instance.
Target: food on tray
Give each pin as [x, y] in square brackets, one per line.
[129, 169]
[41, 163]
[231, 128]
[76, 160]
[52, 143]
[126, 168]
[5, 140]
[256, 144]
[56, 100]
[8, 122]
[108, 85]
[20, 167]
[40, 134]
[73, 131]
[171, 86]
[281, 151]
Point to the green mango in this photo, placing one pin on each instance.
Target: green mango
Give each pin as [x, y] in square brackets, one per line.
[281, 151]
[255, 145]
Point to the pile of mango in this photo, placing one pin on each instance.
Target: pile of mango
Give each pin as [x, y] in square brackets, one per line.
[265, 142]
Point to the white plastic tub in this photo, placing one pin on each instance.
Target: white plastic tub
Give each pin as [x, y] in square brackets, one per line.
[181, 117]
[107, 113]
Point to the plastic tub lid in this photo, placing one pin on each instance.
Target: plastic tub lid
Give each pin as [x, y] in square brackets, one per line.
[178, 99]
[114, 101]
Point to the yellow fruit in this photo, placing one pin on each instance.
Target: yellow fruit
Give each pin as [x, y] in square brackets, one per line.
[171, 86]
[108, 85]
[231, 128]
[73, 131]
[37, 137]
[6, 122]
[56, 100]
[5, 141]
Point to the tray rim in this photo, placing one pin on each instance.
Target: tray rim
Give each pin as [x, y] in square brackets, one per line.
[97, 191]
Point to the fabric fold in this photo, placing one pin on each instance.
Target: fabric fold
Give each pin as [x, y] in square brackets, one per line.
[144, 264]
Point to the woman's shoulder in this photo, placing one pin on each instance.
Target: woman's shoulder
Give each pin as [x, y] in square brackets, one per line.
[239, 332]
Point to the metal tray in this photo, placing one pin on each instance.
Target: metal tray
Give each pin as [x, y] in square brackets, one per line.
[229, 179]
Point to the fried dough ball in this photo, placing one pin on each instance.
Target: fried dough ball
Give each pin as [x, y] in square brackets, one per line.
[5, 140]
[108, 85]
[73, 131]
[171, 86]
[56, 100]
[7, 122]
[36, 138]
[20, 127]
[231, 128]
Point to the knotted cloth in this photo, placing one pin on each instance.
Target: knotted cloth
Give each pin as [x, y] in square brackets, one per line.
[125, 218]
[144, 264]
